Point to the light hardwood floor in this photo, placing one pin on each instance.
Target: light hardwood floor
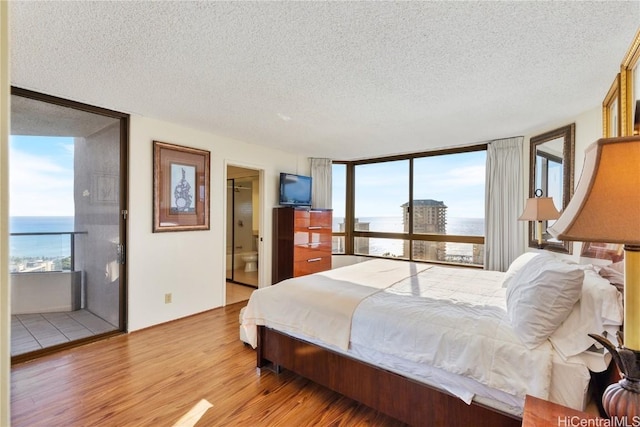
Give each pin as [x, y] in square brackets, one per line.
[237, 293]
[160, 375]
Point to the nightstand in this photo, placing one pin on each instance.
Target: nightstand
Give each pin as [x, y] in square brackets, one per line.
[542, 413]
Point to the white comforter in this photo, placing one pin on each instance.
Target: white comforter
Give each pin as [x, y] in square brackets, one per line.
[321, 305]
[454, 319]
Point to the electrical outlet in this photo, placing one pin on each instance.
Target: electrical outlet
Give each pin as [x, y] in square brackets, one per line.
[167, 298]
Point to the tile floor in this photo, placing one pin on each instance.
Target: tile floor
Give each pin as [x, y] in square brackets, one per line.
[30, 332]
[240, 276]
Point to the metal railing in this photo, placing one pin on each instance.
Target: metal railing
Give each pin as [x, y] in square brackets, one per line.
[72, 243]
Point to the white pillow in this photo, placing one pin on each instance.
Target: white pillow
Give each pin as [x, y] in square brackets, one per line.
[599, 311]
[540, 297]
[516, 265]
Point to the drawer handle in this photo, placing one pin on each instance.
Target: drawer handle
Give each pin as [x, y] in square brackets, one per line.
[315, 227]
[314, 259]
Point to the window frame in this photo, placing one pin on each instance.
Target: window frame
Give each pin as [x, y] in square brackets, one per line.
[350, 233]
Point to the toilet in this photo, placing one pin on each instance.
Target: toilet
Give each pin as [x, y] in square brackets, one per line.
[250, 261]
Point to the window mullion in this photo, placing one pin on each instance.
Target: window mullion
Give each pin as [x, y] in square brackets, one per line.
[410, 207]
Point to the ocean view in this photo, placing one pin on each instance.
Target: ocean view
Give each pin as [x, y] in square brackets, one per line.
[45, 247]
[56, 246]
[456, 226]
[460, 226]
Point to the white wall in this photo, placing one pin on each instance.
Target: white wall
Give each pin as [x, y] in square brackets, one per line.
[190, 264]
[588, 130]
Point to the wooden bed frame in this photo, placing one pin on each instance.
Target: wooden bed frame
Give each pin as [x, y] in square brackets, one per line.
[402, 398]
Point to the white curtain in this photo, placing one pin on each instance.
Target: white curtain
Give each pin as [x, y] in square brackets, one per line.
[504, 200]
[321, 183]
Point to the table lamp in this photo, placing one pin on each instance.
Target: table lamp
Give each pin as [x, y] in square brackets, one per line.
[539, 209]
[606, 208]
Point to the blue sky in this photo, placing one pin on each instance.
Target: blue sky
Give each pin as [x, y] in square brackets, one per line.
[41, 181]
[41, 176]
[381, 188]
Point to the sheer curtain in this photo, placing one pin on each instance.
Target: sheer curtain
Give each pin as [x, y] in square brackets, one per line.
[504, 198]
[321, 183]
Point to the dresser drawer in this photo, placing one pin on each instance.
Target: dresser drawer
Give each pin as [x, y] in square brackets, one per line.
[312, 218]
[312, 265]
[321, 218]
[311, 237]
[305, 252]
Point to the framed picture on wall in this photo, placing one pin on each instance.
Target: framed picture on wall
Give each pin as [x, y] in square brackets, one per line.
[180, 188]
[611, 110]
[611, 251]
[636, 121]
[630, 79]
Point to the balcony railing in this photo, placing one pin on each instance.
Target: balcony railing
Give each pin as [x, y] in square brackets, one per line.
[41, 251]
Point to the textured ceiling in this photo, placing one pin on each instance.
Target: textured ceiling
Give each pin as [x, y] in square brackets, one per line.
[343, 80]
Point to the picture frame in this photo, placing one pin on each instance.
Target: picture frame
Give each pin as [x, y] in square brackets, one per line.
[609, 251]
[611, 123]
[630, 88]
[181, 184]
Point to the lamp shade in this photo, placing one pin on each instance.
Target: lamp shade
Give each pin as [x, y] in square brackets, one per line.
[605, 206]
[539, 209]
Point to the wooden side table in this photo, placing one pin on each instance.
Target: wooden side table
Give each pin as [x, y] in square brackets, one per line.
[542, 413]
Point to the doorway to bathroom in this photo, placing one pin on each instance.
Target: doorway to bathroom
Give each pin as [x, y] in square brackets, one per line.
[243, 225]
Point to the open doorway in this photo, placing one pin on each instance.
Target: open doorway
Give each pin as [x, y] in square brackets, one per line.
[243, 232]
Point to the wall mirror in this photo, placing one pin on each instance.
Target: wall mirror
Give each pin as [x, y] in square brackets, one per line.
[551, 171]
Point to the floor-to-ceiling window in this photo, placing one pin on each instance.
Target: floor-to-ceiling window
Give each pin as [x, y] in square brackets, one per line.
[423, 207]
[67, 222]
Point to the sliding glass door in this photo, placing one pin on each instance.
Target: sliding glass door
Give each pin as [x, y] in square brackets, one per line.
[67, 222]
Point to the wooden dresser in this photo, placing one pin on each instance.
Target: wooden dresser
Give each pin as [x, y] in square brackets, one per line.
[301, 242]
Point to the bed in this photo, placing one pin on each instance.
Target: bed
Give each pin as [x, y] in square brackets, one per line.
[435, 345]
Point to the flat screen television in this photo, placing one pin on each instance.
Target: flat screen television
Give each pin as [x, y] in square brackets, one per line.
[295, 190]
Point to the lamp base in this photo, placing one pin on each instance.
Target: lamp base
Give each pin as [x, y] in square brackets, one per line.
[622, 400]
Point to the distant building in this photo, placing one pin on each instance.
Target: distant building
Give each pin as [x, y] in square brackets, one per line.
[478, 255]
[361, 244]
[429, 217]
[32, 266]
